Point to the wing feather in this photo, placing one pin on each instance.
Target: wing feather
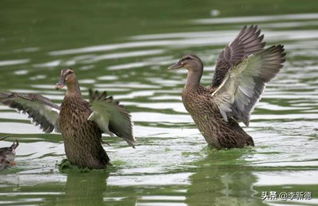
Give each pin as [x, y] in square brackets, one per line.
[110, 116]
[39, 108]
[247, 42]
[244, 83]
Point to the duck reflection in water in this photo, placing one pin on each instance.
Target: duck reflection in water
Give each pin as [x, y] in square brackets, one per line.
[85, 188]
[218, 181]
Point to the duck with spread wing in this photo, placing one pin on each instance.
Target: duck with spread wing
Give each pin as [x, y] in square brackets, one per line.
[81, 123]
[242, 70]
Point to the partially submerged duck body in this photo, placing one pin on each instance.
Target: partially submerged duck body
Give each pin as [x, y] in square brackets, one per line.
[7, 155]
[81, 123]
[217, 132]
[82, 143]
[242, 70]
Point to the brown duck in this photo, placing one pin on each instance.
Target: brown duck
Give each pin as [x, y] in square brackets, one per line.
[7, 155]
[80, 122]
[242, 70]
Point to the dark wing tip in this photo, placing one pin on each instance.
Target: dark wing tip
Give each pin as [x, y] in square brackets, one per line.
[277, 49]
[103, 95]
[253, 27]
[281, 51]
[90, 93]
[273, 59]
[131, 142]
[96, 95]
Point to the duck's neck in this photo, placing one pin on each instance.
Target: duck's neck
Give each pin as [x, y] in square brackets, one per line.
[193, 79]
[73, 89]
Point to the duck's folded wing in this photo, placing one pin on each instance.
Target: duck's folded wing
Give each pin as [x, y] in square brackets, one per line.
[248, 41]
[110, 116]
[39, 108]
[244, 83]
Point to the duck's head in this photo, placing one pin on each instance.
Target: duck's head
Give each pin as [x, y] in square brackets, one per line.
[190, 62]
[67, 78]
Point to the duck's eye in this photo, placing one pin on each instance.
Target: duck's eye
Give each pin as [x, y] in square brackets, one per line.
[68, 72]
[186, 58]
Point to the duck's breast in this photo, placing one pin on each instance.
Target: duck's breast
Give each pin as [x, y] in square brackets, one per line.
[74, 113]
[197, 101]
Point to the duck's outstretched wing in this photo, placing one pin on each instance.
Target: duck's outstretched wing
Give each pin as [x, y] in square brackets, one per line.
[249, 41]
[39, 108]
[110, 116]
[244, 83]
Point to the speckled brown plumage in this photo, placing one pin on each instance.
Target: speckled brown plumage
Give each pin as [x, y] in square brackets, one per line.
[206, 115]
[80, 122]
[242, 69]
[82, 138]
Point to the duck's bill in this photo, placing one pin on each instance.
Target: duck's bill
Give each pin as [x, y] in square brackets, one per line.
[60, 85]
[175, 66]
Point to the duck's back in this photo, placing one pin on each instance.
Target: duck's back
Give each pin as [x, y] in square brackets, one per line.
[206, 115]
[82, 138]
